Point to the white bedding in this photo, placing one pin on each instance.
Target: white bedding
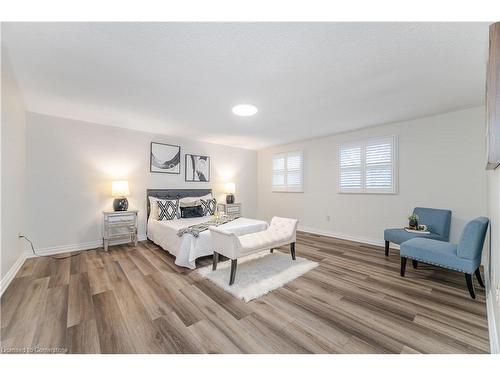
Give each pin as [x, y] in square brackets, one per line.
[188, 248]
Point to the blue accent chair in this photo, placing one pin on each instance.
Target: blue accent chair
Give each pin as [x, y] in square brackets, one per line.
[464, 257]
[438, 221]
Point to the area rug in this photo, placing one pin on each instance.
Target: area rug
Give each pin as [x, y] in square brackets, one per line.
[258, 274]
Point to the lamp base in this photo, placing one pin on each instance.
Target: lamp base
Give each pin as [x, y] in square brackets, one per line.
[229, 198]
[120, 204]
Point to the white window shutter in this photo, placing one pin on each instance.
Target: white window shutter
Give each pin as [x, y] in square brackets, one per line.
[368, 167]
[288, 172]
[351, 176]
[379, 165]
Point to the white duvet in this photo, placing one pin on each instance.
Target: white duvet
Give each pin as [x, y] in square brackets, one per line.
[188, 248]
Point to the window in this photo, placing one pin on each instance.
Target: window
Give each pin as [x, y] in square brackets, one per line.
[288, 174]
[368, 166]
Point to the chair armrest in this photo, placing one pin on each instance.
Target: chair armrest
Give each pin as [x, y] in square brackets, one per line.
[224, 242]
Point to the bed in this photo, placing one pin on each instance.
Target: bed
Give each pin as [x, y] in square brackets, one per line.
[188, 248]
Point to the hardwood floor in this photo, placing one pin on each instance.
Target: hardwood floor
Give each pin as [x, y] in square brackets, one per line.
[135, 300]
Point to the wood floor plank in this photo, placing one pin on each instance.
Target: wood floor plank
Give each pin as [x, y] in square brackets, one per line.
[113, 334]
[235, 307]
[179, 339]
[11, 298]
[28, 310]
[212, 339]
[144, 335]
[83, 338]
[80, 305]
[51, 329]
[59, 272]
[27, 268]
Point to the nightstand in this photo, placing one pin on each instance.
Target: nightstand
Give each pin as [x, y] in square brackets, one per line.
[118, 225]
[230, 208]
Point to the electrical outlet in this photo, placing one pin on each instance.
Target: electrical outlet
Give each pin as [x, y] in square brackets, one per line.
[497, 296]
[328, 217]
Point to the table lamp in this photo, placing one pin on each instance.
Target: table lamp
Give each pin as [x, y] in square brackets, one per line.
[119, 190]
[230, 190]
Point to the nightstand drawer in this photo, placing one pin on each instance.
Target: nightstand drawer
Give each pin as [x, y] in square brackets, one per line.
[232, 209]
[121, 218]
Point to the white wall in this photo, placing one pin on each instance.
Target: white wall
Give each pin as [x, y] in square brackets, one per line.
[13, 167]
[70, 166]
[494, 257]
[441, 165]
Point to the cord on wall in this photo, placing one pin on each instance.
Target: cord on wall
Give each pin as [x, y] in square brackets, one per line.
[47, 256]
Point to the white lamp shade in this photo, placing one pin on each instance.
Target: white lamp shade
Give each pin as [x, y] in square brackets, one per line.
[120, 189]
[230, 188]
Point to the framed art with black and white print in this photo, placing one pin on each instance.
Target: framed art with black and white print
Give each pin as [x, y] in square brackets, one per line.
[197, 168]
[165, 158]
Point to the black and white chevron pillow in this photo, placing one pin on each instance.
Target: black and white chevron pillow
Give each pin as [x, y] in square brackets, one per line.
[168, 209]
[209, 206]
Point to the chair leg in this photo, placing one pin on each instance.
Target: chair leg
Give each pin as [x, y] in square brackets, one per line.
[234, 263]
[215, 261]
[292, 250]
[386, 248]
[403, 266]
[468, 280]
[271, 251]
[414, 263]
[479, 279]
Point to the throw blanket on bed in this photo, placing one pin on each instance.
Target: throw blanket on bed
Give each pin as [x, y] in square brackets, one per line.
[195, 230]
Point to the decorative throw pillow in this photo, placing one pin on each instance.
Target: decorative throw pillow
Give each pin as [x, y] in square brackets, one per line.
[168, 209]
[188, 212]
[209, 206]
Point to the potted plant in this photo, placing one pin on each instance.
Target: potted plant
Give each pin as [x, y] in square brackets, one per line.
[413, 221]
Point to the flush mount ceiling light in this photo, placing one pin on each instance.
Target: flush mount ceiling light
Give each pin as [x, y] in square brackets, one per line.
[244, 110]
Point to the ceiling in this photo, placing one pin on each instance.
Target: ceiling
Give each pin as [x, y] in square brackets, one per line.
[307, 79]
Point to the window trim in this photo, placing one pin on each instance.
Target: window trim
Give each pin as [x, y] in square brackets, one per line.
[363, 144]
[285, 188]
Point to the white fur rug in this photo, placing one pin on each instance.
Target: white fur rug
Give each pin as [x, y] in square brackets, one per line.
[258, 274]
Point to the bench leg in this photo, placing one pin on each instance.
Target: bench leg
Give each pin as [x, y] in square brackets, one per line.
[479, 279]
[271, 251]
[403, 266]
[215, 261]
[468, 280]
[386, 248]
[414, 263]
[292, 250]
[234, 263]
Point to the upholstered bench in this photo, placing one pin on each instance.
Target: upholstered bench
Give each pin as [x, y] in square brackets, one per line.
[281, 231]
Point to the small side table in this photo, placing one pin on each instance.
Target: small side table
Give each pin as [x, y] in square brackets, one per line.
[230, 208]
[119, 224]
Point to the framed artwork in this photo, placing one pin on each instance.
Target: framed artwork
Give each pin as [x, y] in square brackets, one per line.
[197, 168]
[165, 158]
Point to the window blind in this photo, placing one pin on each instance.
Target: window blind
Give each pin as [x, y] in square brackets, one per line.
[368, 166]
[288, 171]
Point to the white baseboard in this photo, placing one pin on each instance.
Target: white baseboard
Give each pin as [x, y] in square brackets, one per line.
[348, 237]
[11, 273]
[492, 327]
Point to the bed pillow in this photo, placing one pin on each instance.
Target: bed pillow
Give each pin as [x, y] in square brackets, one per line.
[209, 206]
[168, 209]
[188, 212]
[189, 201]
[153, 208]
[193, 201]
